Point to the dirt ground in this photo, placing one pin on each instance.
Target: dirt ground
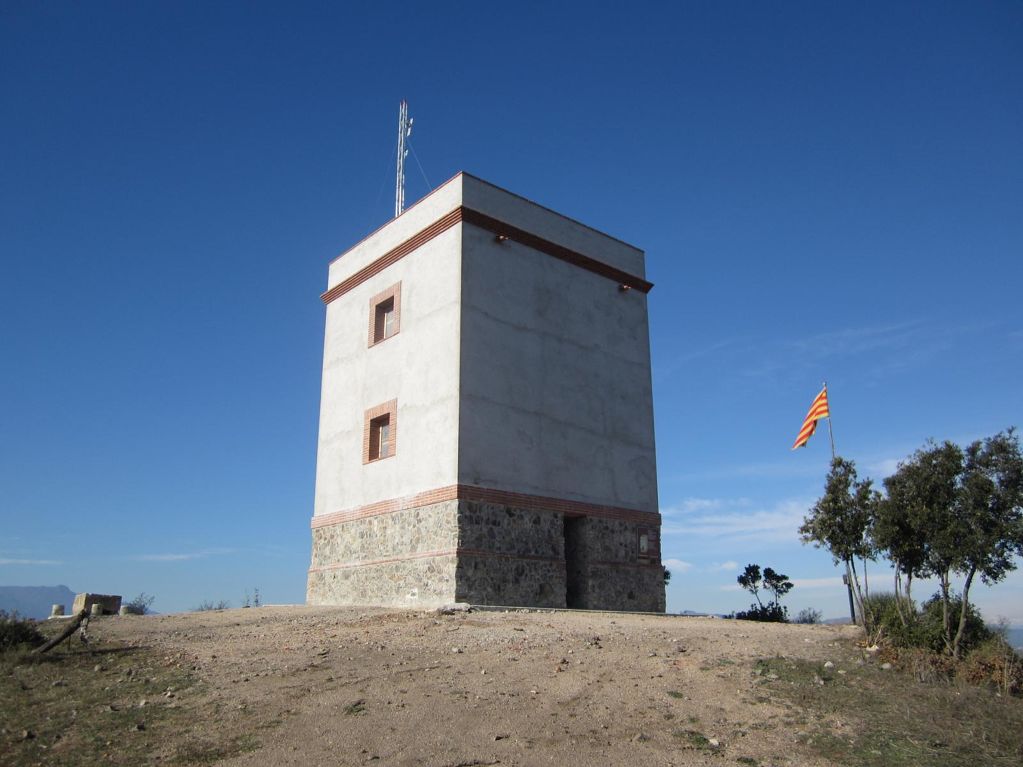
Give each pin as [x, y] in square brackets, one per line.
[336, 686]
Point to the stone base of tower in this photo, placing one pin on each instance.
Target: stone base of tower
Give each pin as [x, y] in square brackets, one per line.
[492, 548]
[402, 558]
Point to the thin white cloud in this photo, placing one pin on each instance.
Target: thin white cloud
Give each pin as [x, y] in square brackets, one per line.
[818, 583]
[724, 567]
[677, 565]
[738, 520]
[30, 562]
[182, 557]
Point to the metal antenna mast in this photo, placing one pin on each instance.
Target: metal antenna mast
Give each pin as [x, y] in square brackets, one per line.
[404, 131]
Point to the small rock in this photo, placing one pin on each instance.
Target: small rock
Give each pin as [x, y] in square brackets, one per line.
[143, 703]
[840, 671]
[139, 727]
[59, 683]
[829, 664]
[456, 650]
[97, 668]
[713, 742]
[886, 666]
[27, 734]
[457, 607]
[639, 737]
[500, 736]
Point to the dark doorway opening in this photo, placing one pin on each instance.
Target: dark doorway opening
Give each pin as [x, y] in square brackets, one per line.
[574, 574]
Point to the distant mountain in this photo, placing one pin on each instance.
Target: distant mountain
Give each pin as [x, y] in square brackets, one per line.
[35, 601]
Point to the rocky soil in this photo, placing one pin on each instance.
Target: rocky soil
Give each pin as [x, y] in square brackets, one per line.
[304, 686]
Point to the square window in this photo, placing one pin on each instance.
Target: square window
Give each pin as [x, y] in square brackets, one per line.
[648, 543]
[385, 314]
[380, 432]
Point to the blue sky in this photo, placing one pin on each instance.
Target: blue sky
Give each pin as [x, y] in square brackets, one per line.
[823, 193]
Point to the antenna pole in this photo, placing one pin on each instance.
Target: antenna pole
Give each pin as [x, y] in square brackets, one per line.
[404, 130]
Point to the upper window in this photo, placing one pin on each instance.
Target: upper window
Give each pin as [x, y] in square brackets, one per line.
[380, 432]
[385, 314]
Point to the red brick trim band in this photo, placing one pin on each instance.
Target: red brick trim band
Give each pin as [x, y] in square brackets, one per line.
[467, 552]
[484, 221]
[486, 495]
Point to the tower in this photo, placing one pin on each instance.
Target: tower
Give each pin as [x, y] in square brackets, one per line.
[486, 418]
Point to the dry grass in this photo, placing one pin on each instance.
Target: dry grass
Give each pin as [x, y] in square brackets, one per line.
[871, 717]
[102, 704]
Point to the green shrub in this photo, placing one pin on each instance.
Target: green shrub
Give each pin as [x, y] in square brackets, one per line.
[772, 612]
[15, 631]
[974, 634]
[884, 624]
[923, 628]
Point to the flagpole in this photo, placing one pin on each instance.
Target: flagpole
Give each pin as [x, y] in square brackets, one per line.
[848, 566]
[830, 432]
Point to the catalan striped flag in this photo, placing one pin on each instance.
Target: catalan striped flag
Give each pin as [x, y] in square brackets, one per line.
[818, 410]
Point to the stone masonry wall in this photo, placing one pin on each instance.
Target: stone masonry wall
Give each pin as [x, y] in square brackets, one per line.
[613, 576]
[406, 558]
[510, 556]
[516, 556]
[425, 582]
[485, 553]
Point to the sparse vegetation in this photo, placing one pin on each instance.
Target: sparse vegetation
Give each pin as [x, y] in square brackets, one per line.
[355, 708]
[141, 604]
[16, 632]
[810, 616]
[695, 738]
[207, 605]
[886, 722]
[70, 707]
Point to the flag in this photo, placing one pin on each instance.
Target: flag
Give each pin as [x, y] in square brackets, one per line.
[818, 410]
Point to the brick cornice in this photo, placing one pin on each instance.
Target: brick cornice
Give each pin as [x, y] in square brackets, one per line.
[487, 495]
[498, 227]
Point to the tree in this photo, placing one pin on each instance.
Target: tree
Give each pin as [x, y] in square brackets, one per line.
[990, 506]
[953, 512]
[841, 521]
[776, 583]
[913, 523]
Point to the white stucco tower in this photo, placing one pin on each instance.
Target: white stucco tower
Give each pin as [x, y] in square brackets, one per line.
[486, 419]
